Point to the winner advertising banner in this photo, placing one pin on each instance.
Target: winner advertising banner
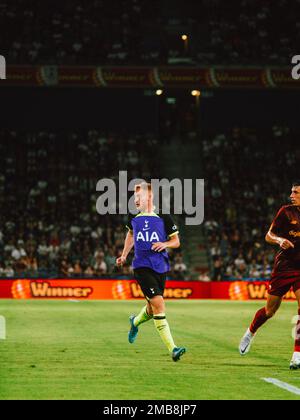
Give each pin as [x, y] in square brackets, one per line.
[151, 77]
[84, 289]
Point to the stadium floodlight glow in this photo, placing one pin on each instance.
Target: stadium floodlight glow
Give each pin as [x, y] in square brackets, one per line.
[195, 92]
[159, 92]
[184, 37]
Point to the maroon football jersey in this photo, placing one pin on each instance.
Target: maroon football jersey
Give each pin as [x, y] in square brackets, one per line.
[287, 225]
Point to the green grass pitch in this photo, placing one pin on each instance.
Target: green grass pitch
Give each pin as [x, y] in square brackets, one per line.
[79, 350]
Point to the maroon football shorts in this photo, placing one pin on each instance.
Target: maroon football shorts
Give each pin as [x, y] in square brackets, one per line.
[281, 283]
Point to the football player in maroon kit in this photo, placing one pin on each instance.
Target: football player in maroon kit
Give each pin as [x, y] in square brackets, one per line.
[285, 232]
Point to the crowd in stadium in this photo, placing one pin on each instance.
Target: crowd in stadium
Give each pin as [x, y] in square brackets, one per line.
[245, 188]
[49, 226]
[131, 32]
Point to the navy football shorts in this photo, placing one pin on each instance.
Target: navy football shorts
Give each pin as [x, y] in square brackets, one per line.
[151, 282]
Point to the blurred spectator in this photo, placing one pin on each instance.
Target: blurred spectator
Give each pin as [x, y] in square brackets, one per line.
[180, 269]
[110, 260]
[204, 276]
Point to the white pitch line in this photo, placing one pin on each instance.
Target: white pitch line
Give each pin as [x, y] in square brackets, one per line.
[283, 385]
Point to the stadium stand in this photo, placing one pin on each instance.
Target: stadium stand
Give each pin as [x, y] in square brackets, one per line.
[135, 32]
[245, 166]
[50, 227]
[49, 224]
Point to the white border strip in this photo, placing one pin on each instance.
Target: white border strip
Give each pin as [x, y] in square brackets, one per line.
[283, 385]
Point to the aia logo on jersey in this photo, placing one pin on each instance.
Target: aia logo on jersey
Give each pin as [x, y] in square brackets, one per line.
[146, 237]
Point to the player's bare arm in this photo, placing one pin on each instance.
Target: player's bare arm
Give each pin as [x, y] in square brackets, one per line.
[273, 239]
[174, 242]
[128, 244]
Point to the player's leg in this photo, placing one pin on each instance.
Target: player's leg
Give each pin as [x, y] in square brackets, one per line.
[260, 318]
[157, 304]
[144, 315]
[149, 308]
[263, 314]
[163, 328]
[135, 320]
[160, 321]
[295, 362]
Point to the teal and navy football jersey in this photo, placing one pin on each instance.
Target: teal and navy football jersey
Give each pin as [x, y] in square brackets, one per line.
[148, 228]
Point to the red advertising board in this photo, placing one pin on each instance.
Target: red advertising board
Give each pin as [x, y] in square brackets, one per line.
[22, 76]
[126, 77]
[84, 289]
[143, 77]
[183, 77]
[238, 77]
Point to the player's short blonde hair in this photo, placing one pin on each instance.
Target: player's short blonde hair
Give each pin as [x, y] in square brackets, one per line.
[145, 186]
